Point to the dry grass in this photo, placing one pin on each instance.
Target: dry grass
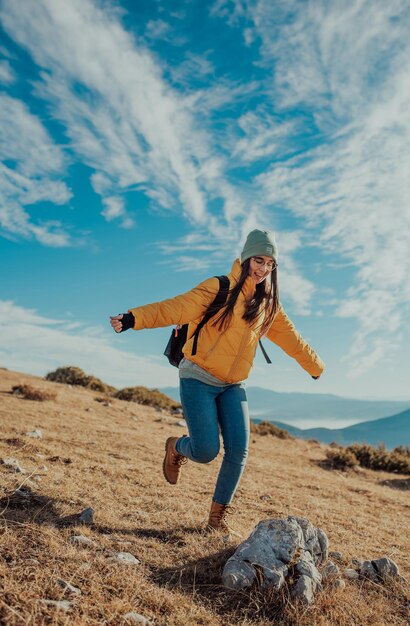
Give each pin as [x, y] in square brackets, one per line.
[109, 458]
[267, 428]
[28, 392]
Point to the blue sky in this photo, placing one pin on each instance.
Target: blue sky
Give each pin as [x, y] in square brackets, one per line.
[141, 141]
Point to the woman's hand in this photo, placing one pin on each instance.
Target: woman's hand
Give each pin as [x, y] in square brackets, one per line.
[116, 322]
[122, 322]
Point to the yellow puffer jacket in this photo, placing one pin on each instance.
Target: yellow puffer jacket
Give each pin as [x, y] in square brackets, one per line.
[229, 354]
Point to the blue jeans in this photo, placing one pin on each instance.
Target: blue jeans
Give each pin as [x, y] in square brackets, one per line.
[208, 409]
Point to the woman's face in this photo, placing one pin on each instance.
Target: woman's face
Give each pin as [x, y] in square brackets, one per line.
[260, 267]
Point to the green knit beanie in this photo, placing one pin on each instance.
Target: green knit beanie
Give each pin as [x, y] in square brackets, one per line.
[259, 243]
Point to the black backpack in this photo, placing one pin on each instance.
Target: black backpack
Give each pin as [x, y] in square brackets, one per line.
[179, 335]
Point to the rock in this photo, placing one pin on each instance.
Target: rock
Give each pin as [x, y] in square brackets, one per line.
[330, 570]
[125, 558]
[336, 555]
[379, 569]
[265, 497]
[14, 465]
[273, 549]
[137, 618]
[340, 583]
[304, 590]
[63, 605]
[352, 574]
[35, 434]
[69, 587]
[386, 568]
[357, 563]
[177, 411]
[181, 423]
[81, 540]
[367, 571]
[86, 516]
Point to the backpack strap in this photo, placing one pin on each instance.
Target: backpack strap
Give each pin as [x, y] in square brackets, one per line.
[265, 354]
[219, 301]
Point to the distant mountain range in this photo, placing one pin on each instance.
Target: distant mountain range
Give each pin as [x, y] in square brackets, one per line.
[312, 410]
[392, 431]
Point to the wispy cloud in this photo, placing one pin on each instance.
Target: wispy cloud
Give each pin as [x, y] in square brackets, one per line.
[7, 76]
[121, 117]
[30, 172]
[348, 63]
[39, 344]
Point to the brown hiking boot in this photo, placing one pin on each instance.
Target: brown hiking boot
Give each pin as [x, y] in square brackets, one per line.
[172, 461]
[217, 519]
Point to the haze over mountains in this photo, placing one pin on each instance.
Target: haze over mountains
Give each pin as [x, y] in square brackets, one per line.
[312, 410]
[329, 418]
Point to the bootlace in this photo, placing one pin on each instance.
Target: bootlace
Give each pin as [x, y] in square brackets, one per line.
[228, 510]
[179, 460]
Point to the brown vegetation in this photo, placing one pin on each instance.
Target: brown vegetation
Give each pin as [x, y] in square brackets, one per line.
[147, 397]
[28, 392]
[267, 428]
[75, 376]
[109, 458]
[376, 458]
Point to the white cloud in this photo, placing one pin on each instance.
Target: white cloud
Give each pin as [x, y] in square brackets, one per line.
[29, 173]
[125, 122]
[349, 64]
[7, 76]
[39, 345]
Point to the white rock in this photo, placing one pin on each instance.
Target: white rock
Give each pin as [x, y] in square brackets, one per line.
[125, 558]
[81, 540]
[63, 605]
[336, 555]
[69, 587]
[14, 465]
[340, 583]
[35, 434]
[136, 618]
[352, 574]
[181, 423]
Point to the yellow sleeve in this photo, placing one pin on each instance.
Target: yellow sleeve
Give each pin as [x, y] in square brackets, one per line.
[181, 309]
[284, 334]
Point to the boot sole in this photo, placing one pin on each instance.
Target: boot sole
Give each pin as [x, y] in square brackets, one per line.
[164, 463]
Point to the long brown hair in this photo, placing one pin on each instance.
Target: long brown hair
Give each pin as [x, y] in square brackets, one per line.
[263, 299]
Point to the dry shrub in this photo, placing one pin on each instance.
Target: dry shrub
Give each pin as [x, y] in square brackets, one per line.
[341, 458]
[381, 459]
[71, 375]
[32, 393]
[149, 397]
[267, 428]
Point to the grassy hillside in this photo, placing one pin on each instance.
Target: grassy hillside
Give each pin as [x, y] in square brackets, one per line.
[108, 455]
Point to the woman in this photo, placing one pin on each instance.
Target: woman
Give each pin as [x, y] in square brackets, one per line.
[211, 381]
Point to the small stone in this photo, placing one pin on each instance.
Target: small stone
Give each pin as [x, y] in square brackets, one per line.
[125, 558]
[336, 555]
[181, 423]
[106, 404]
[352, 574]
[266, 497]
[330, 570]
[40, 456]
[69, 587]
[385, 568]
[86, 516]
[357, 563]
[81, 540]
[340, 583]
[63, 605]
[136, 618]
[14, 465]
[35, 434]
[135, 418]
